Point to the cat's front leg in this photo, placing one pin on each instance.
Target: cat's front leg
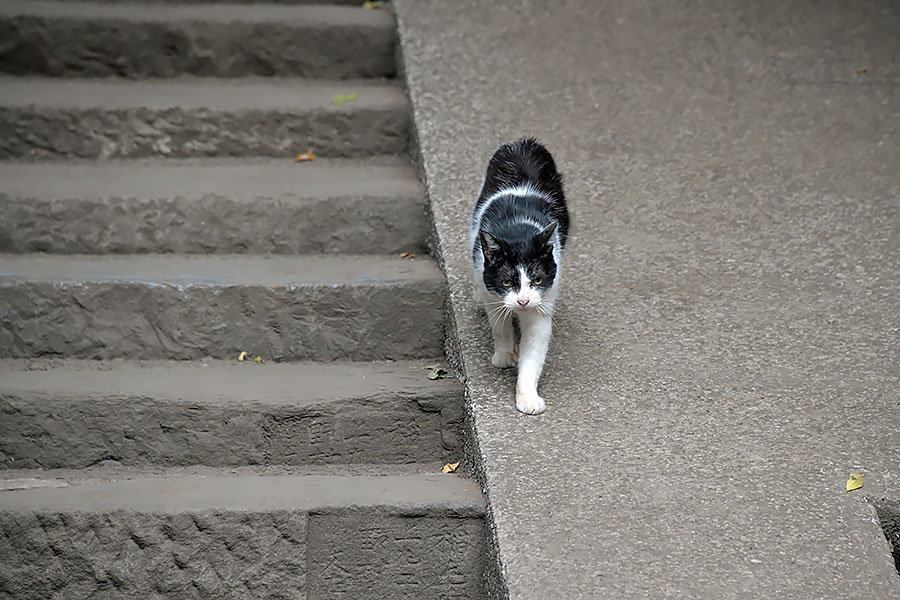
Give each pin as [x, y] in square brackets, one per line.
[505, 354]
[536, 331]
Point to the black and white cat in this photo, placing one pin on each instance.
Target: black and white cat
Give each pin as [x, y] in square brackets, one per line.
[518, 232]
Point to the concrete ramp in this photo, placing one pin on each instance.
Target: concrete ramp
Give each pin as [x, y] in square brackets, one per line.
[727, 345]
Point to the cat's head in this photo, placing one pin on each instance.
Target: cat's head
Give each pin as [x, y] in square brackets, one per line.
[520, 268]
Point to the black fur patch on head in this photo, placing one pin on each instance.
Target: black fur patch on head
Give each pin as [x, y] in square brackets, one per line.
[527, 162]
[519, 246]
[520, 218]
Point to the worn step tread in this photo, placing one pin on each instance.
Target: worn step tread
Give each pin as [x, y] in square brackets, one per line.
[91, 39]
[225, 413]
[220, 206]
[196, 117]
[25, 478]
[435, 495]
[173, 306]
[251, 93]
[217, 534]
[223, 382]
[243, 179]
[354, 3]
[230, 270]
[315, 14]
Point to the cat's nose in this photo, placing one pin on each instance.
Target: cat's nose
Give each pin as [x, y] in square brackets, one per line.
[522, 301]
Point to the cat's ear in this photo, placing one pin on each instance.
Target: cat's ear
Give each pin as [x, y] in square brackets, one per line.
[545, 236]
[489, 247]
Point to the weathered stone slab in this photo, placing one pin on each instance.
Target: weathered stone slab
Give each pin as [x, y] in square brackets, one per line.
[75, 414]
[214, 206]
[41, 118]
[182, 307]
[142, 40]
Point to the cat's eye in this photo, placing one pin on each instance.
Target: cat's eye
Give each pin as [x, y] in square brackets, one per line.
[506, 283]
[537, 281]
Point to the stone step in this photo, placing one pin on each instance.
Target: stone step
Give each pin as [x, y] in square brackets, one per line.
[243, 536]
[221, 206]
[189, 307]
[89, 39]
[75, 414]
[354, 3]
[182, 118]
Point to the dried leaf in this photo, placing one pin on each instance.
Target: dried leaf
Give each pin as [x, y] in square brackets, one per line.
[855, 482]
[305, 156]
[373, 5]
[450, 467]
[242, 356]
[437, 374]
[862, 71]
[408, 255]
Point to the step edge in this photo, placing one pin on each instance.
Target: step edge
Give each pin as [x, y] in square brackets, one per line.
[403, 494]
[24, 269]
[312, 14]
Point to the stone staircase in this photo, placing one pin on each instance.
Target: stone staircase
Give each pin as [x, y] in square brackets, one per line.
[153, 226]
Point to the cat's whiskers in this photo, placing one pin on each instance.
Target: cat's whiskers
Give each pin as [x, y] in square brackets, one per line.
[491, 303]
[498, 316]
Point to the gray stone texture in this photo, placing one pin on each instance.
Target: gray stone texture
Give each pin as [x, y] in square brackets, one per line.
[144, 555]
[397, 557]
[48, 118]
[726, 341]
[219, 206]
[179, 307]
[214, 536]
[75, 414]
[205, 476]
[146, 40]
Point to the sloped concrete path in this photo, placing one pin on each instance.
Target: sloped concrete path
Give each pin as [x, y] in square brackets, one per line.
[727, 348]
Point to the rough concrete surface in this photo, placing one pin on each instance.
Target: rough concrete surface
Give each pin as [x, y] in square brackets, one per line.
[727, 336]
[62, 39]
[212, 206]
[74, 414]
[889, 517]
[183, 307]
[183, 118]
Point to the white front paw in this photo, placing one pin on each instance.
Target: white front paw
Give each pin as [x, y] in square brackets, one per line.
[530, 404]
[503, 360]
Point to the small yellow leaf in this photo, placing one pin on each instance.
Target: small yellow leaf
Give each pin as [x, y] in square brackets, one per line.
[862, 71]
[855, 482]
[242, 356]
[258, 359]
[373, 5]
[304, 156]
[450, 467]
[341, 98]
